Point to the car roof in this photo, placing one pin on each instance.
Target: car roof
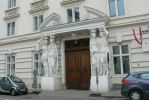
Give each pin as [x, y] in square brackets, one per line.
[140, 72]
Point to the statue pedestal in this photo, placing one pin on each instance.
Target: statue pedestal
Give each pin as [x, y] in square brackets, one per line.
[49, 83]
[102, 86]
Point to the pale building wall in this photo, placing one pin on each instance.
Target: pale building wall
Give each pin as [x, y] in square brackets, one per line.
[132, 7]
[136, 11]
[23, 52]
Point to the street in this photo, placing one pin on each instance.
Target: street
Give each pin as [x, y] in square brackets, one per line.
[62, 95]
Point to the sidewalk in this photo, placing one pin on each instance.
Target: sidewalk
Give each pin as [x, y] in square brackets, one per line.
[79, 93]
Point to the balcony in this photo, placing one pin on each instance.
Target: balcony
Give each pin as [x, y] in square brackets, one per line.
[11, 13]
[39, 6]
[66, 2]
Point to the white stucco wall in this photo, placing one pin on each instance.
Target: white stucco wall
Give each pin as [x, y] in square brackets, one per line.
[136, 15]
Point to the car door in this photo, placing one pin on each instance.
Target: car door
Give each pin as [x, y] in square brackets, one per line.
[145, 83]
[5, 84]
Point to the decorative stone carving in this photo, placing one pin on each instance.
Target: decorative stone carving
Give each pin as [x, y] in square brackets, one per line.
[12, 13]
[104, 53]
[44, 57]
[99, 53]
[52, 57]
[51, 20]
[94, 50]
[94, 13]
[39, 6]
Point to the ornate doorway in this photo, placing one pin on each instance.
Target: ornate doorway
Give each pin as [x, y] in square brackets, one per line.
[78, 70]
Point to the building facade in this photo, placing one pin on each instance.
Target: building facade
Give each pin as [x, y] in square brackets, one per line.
[71, 22]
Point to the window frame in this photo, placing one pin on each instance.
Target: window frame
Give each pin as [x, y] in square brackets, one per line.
[121, 60]
[11, 30]
[73, 13]
[38, 22]
[39, 62]
[117, 10]
[10, 63]
[12, 4]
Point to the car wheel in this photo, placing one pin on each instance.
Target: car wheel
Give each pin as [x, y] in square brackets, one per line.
[13, 92]
[135, 95]
[26, 92]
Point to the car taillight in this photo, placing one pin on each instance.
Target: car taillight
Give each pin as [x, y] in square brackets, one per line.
[125, 81]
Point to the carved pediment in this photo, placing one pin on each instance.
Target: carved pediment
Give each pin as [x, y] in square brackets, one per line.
[94, 13]
[51, 20]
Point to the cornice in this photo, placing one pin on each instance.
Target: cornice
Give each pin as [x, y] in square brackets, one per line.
[11, 13]
[19, 38]
[67, 2]
[76, 26]
[38, 6]
[128, 20]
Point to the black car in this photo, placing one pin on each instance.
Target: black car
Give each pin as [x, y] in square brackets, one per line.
[12, 85]
[136, 86]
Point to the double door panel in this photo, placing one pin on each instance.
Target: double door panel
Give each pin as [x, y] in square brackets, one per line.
[78, 70]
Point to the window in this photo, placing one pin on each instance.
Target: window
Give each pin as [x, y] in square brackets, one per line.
[37, 21]
[116, 8]
[11, 3]
[5, 80]
[10, 65]
[39, 68]
[73, 14]
[11, 28]
[145, 76]
[121, 59]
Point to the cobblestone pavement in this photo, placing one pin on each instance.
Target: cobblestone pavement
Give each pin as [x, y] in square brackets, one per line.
[64, 95]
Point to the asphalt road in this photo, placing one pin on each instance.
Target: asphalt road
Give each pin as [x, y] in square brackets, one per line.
[55, 97]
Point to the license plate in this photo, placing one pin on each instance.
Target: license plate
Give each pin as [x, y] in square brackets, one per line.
[22, 89]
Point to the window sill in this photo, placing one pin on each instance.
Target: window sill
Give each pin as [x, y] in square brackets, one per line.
[118, 17]
[67, 2]
[12, 8]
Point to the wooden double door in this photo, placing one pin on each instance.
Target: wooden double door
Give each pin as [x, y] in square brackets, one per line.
[78, 70]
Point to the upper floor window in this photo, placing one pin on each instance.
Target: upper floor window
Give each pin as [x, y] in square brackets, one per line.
[39, 68]
[11, 3]
[73, 14]
[37, 21]
[116, 8]
[11, 28]
[121, 59]
[10, 65]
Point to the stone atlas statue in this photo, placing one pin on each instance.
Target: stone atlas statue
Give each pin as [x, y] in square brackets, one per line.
[52, 57]
[99, 53]
[104, 53]
[94, 50]
[49, 56]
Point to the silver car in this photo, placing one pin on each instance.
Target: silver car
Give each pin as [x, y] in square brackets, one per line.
[12, 85]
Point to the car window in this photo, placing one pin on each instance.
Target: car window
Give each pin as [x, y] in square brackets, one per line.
[15, 79]
[137, 75]
[145, 76]
[5, 80]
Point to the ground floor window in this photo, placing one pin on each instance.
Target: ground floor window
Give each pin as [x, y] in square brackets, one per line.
[121, 59]
[10, 65]
[38, 66]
